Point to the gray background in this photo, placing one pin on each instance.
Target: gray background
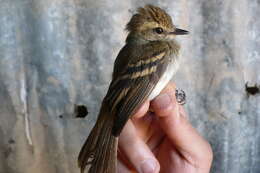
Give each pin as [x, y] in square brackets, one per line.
[58, 53]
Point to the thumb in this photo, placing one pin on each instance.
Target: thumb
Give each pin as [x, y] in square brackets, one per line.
[178, 129]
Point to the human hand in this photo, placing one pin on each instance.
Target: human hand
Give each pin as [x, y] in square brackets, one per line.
[163, 140]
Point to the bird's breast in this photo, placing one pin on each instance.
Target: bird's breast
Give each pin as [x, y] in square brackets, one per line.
[171, 69]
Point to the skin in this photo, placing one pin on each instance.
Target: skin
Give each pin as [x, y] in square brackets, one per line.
[164, 140]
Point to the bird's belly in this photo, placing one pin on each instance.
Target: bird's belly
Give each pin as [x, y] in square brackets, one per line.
[164, 80]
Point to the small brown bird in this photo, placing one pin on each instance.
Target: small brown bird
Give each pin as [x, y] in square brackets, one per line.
[142, 69]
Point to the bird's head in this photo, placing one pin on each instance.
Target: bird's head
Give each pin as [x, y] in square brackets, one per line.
[153, 23]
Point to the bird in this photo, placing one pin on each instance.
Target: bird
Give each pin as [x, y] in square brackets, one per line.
[143, 67]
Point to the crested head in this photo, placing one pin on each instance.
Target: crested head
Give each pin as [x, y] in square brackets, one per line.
[152, 23]
[149, 15]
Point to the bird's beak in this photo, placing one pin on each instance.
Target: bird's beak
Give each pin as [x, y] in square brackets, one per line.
[178, 31]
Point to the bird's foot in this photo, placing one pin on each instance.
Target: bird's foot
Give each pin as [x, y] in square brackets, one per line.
[180, 96]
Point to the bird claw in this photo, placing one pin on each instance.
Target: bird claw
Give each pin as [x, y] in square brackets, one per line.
[180, 96]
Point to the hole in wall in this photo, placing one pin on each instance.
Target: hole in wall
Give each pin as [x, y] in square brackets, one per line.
[252, 90]
[80, 111]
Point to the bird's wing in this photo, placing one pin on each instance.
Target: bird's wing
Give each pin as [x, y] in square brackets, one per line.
[129, 90]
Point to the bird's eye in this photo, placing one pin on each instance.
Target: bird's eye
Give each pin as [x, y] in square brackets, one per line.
[158, 30]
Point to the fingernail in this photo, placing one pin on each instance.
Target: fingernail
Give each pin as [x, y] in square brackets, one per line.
[163, 101]
[148, 166]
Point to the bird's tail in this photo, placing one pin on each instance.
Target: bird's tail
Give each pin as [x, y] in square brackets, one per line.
[99, 152]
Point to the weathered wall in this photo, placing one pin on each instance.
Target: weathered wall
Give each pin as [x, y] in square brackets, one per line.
[57, 53]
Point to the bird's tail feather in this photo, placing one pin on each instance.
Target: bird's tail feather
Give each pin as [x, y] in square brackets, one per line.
[99, 152]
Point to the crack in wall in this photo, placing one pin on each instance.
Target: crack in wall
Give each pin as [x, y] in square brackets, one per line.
[23, 95]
